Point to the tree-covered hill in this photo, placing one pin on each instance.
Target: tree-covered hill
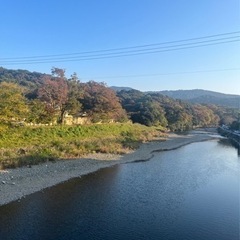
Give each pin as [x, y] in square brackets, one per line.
[177, 115]
[204, 96]
[22, 77]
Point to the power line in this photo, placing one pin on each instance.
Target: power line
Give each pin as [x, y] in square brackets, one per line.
[220, 40]
[126, 53]
[124, 48]
[166, 74]
[113, 56]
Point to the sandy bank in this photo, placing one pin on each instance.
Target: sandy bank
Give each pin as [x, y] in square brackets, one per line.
[17, 183]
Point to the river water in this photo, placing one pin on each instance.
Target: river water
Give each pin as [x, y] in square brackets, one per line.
[189, 193]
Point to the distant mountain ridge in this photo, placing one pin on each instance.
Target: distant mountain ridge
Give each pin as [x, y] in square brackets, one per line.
[118, 89]
[194, 93]
[205, 97]
[196, 96]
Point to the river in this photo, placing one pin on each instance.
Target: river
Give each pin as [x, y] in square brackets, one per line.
[191, 193]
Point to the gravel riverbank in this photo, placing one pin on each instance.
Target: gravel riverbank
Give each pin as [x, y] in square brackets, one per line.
[17, 183]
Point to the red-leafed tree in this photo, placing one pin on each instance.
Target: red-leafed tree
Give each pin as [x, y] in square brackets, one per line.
[101, 103]
[54, 93]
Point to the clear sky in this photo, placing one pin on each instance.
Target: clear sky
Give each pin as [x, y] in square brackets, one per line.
[53, 27]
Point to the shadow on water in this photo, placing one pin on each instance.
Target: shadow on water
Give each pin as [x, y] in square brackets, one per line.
[229, 142]
[58, 208]
[191, 193]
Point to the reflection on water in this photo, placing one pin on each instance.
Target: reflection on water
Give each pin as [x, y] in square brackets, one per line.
[189, 193]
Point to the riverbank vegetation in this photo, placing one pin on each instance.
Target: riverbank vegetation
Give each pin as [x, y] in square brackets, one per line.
[31, 145]
[36, 109]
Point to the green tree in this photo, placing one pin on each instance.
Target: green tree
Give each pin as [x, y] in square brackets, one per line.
[75, 92]
[143, 108]
[37, 112]
[13, 104]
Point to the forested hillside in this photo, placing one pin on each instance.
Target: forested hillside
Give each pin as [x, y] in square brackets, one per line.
[205, 97]
[44, 98]
[157, 109]
[21, 77]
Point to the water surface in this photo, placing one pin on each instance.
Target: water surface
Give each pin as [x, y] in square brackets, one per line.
[189, 193]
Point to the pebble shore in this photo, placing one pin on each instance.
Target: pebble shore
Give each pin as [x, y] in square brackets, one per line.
[17, 183]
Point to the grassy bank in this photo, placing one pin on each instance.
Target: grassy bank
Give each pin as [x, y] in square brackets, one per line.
[21, 146]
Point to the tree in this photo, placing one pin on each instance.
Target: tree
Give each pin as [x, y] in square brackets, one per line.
[54, 93]
[13, 104]
[75, 93]
[142, 108]
[101, 103]
[204, 116]
[38, 112]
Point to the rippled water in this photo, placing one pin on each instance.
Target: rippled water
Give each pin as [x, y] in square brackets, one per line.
[189, 193]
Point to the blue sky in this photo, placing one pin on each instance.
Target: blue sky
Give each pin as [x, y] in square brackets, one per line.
[48, 27]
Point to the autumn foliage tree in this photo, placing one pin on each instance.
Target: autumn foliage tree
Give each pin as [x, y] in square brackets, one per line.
[101, 103]
[54, 93]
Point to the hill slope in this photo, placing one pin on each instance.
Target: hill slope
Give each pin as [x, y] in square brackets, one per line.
[118, 89]
[204, 96]
[21, 77]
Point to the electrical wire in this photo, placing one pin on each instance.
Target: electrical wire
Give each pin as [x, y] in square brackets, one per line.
[164, 74]
[125, 52]
[124, 48]
[112, 56]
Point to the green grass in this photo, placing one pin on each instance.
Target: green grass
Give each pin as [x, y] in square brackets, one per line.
[21, 146]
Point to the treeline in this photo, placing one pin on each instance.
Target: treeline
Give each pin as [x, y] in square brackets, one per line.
[177, 115]
[45, 98]
[50, 97]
